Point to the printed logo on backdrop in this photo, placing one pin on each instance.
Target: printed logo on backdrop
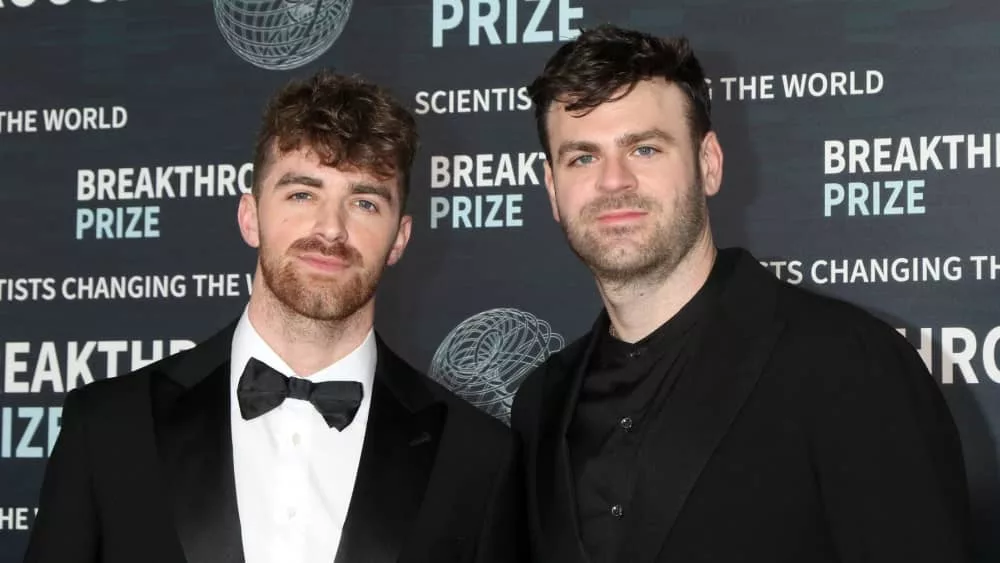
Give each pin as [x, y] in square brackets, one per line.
[485, 358]
[488, 190]
[875, 177]
[503, 22]
[482, 191]
[281, 34]
[18, 121]
[37, 370]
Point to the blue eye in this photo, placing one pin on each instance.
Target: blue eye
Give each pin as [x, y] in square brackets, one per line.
[582, 160]
[367, 205]
[646, 151]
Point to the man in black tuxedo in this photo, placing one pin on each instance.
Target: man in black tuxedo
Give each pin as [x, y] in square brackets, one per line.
[713, 413]
[295, 434]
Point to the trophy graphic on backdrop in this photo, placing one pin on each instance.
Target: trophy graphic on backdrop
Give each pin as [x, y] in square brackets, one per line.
[281, 34]
[485, 358]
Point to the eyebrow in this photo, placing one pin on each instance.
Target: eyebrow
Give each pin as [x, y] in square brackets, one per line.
[623, 141]
[373, 189]
[291, 178]
[654, 133]
[575, 146]
[355, 188]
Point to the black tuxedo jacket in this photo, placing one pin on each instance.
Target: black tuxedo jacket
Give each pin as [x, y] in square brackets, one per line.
[802, 430]
[143, 471]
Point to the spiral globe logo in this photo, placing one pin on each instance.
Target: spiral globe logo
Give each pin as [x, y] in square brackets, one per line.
[281, 34]
[485, 358]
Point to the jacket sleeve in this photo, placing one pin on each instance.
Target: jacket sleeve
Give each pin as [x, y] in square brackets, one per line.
[887, 456]
[66, 528]
[503, 538]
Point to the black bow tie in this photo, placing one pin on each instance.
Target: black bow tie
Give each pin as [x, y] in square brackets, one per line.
[262, 388]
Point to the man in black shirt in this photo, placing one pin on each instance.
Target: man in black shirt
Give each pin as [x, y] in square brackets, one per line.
[713, 413]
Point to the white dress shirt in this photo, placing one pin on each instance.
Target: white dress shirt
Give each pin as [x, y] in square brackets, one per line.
[294, 474]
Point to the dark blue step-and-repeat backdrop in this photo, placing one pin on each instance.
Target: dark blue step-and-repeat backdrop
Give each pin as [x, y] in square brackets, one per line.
[862, 144]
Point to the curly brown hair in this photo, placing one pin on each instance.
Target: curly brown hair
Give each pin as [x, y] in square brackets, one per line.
[600, 62]
[349, 122]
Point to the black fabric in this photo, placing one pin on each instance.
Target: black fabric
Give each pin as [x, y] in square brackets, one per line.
[624, 383]
[262, 388]
[801, 429]
[142, 471]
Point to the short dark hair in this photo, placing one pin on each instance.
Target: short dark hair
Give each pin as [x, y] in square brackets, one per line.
[589, 70]
[348, 121]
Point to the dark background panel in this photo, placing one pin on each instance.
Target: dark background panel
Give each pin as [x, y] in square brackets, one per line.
[191, 100]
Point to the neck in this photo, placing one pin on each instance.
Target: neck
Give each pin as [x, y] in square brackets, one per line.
[639, 306]
[306, 345]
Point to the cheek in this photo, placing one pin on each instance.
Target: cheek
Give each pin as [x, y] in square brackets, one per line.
[280, 231]
[572, 192]
[668, 178]
[569, 204]
[373, 236]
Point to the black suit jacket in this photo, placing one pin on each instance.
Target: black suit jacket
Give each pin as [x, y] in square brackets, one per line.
[802, 430]
[143, 471]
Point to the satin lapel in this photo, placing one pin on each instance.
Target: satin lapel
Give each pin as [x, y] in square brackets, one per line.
[560, 532]
[195, 446]
[701, 409]
[401, 441]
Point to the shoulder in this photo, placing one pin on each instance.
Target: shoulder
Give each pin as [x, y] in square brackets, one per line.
[817, 321]
[107, 409]
[566, 359]
[832, 363]
[421, 389]
[465, 414]
[806, 313]
[821, 343]
[553, 371]
[474, 436]
[104, 394]
[834, 352]
[555, 367]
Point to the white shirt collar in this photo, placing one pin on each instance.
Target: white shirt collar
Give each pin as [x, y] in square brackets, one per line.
[358, 365]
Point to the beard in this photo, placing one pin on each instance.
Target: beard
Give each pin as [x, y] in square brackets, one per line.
[630, 253]
[316, 297]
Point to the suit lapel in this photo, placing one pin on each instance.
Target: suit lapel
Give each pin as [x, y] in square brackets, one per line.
[401, 441]
[556, 484]
[195, 445]
[702, 407]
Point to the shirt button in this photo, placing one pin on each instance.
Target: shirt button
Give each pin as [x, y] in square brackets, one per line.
[296, 439]
[291, 513]
[635, 353]
[616, 511]
[626, 424]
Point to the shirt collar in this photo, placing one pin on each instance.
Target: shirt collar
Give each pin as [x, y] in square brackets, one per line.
[613, 352]
[358, 365]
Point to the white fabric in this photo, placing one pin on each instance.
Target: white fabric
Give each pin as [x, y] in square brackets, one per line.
[294, 474]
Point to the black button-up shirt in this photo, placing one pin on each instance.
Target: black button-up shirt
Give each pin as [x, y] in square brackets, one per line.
[625, 387]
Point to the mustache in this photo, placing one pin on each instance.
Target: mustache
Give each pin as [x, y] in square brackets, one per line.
[614, 202]
[339, 250]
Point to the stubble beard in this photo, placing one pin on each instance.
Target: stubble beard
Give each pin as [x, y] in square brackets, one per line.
[316, 297]
[617, 256]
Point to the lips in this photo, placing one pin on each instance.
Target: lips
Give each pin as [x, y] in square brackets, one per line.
[324, 257]
[324, 263]
[621, 216]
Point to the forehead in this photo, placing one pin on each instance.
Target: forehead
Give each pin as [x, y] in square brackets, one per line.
[651, 104]
[308, 162]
